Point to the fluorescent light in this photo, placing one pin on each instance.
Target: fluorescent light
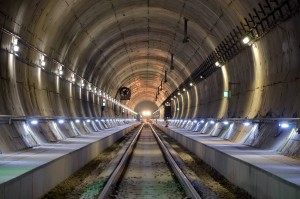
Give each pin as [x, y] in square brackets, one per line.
[42, 60]
[43, 63]
[77, 121]
[195, 121]
[246, 123]
[89, 87]
[284, 125]
[61, 121]
[88, 120]
[34, 122]
[178, 93]
[246, 40]
[202, 121]
[212, 122]
[225, 122]
[184, 90]
[217, 64]
[73, 78]
[97, 120]
[226, 94]
[191, 84]
[16, 48]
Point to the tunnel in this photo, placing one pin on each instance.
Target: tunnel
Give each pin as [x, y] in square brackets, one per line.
[218, 76]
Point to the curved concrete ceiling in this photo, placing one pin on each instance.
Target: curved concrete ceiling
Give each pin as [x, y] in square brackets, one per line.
[127, 43]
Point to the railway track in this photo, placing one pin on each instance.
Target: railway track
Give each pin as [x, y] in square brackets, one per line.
[147, 170]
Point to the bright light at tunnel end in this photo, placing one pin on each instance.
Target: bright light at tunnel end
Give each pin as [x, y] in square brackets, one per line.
[146, 113]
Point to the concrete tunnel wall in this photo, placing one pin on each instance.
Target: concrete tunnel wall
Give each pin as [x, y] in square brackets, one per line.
[209, 101]
[109, 43]
[31, 91]
[263, 80]
[264, 83]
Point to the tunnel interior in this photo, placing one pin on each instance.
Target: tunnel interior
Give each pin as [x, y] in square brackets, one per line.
[216, 59]
[229, 69]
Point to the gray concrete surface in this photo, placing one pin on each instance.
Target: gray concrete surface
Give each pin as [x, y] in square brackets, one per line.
[33, 172]
[262, 173]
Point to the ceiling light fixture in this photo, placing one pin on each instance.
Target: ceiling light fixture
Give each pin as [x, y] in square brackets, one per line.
[246, 123]
[34, 122]
[42, 61]
[82, 83]
[246, 40]
[14, 44]
[60, 71]
[284, 125]
[73, 79]
[225, 122]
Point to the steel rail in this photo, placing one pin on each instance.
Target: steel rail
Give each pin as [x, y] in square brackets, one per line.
[187, 185]
[113, 179]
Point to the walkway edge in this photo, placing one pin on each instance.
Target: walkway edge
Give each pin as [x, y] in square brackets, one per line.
[37, 182]
[257, 182]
